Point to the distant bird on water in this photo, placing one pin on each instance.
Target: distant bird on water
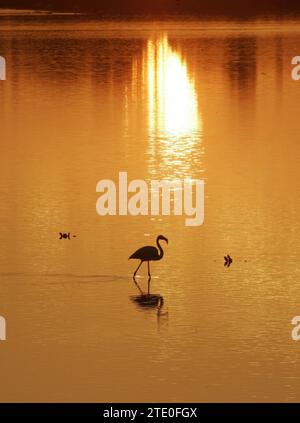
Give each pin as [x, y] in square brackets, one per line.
[228, 260]
[65, 235]
[149, 253]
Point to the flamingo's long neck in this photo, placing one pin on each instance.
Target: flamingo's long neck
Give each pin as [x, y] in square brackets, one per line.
[161, 251]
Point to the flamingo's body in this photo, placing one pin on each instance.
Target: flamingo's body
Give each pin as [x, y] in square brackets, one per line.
[148, 254]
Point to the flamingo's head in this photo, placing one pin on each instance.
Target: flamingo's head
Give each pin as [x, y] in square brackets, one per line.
[163, 238]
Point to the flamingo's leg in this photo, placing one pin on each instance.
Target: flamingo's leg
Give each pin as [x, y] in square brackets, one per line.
[137, 268]
[149, 279]
[137, 285]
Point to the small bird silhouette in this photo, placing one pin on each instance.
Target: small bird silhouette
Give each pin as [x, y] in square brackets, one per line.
[149, 253]
[228, 260]
[66, 235]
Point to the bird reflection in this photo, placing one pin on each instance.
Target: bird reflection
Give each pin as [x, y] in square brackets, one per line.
[161, 311]
[147, 300]
[150, 301]
[139, 288]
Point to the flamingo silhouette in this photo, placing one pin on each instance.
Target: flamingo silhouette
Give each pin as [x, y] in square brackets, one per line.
[149, 253]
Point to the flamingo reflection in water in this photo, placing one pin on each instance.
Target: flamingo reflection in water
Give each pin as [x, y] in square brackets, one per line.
[151, 301]
[160, 309]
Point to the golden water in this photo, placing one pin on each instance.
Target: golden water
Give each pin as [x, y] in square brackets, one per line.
[84, 100]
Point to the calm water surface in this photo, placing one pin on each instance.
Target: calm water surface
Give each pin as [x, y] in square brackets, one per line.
[84, 100]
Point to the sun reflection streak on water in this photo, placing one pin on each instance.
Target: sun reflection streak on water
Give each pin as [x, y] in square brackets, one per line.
[174, 119]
